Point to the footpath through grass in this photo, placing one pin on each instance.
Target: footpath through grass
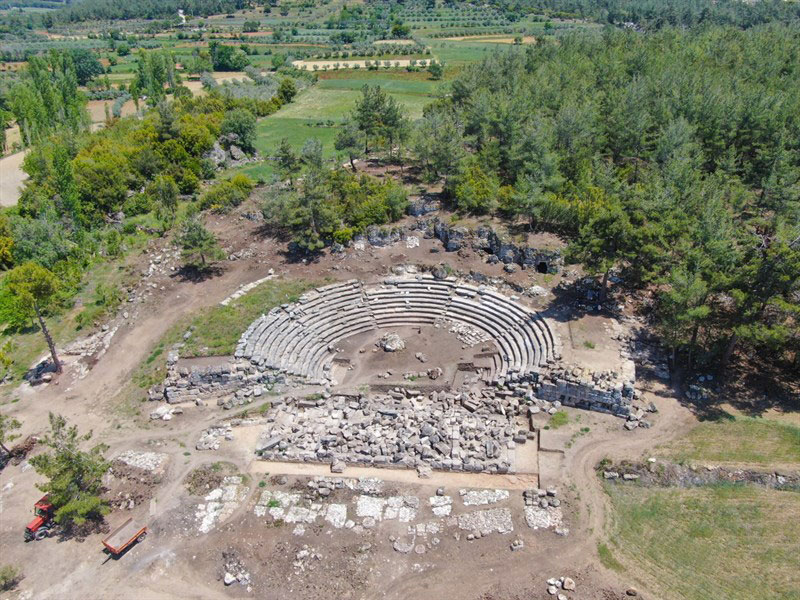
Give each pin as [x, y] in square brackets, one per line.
[739, 440]
[720, 542]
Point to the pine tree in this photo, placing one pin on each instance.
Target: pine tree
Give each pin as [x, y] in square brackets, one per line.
[602, 243]
[35, 289]
[199, 247]
[347, 141]
[288, 161]
[74, 476]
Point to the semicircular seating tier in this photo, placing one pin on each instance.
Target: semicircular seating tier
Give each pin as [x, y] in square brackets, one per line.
[301, 338]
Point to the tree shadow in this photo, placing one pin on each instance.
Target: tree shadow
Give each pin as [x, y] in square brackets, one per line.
[36, 374]
[294, 256]
[522, 228]
[197, 274]
[577, 299]
[278, 233]
[754, 385]
[79, 533]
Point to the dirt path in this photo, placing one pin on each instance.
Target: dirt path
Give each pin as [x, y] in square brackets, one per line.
[595, 522]
[11, 178]
[437, 478]
[84, 401]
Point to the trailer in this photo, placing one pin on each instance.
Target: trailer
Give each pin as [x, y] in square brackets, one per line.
[124, 536]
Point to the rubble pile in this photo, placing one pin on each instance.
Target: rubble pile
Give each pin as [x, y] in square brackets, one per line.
[391, 342]
[460, 432]
[234, 570]
[211, 438]
[557, 586]
[543, 509]
[469, 335]
[484, 522]
[220, 503]
[147, 461]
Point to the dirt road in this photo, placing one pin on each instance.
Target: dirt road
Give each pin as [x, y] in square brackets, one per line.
[11, 178]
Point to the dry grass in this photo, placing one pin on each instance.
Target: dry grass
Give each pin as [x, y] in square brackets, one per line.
[721, 542]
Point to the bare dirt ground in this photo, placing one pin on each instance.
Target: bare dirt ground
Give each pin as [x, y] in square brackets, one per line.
[177, 561]
[97, 109]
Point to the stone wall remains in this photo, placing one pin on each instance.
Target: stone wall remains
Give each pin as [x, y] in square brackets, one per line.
[608, 391]
[230, 384]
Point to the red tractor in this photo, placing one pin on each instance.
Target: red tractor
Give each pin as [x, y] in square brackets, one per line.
[43, 525]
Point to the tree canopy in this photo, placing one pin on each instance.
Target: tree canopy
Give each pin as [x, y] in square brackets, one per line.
[670, 158]
[46, 97]
[74, 475]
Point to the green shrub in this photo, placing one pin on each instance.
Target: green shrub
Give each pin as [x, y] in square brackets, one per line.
[9, 577]
[227, 194]
[113, 243]
[558, 419]
[342, 236]
[242, 123]
[475, 190]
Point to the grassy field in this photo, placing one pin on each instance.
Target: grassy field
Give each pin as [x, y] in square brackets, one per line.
[712, 543]
[318, 110]
[402, 83]
[459, 53]
[739, 440]
[217, 329]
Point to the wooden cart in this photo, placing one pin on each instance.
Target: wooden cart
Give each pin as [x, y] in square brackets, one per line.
[124, 536]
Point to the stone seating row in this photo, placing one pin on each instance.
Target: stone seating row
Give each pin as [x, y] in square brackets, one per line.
[301, 338]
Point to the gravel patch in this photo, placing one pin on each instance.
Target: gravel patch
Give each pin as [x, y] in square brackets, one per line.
[482, 497]
[487, 521]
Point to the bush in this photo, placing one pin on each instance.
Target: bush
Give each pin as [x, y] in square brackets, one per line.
[343, 236]
[113, 243]
[226, 195]
[242, 123]
[475, 190]
[138, 204]
[9, 577]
